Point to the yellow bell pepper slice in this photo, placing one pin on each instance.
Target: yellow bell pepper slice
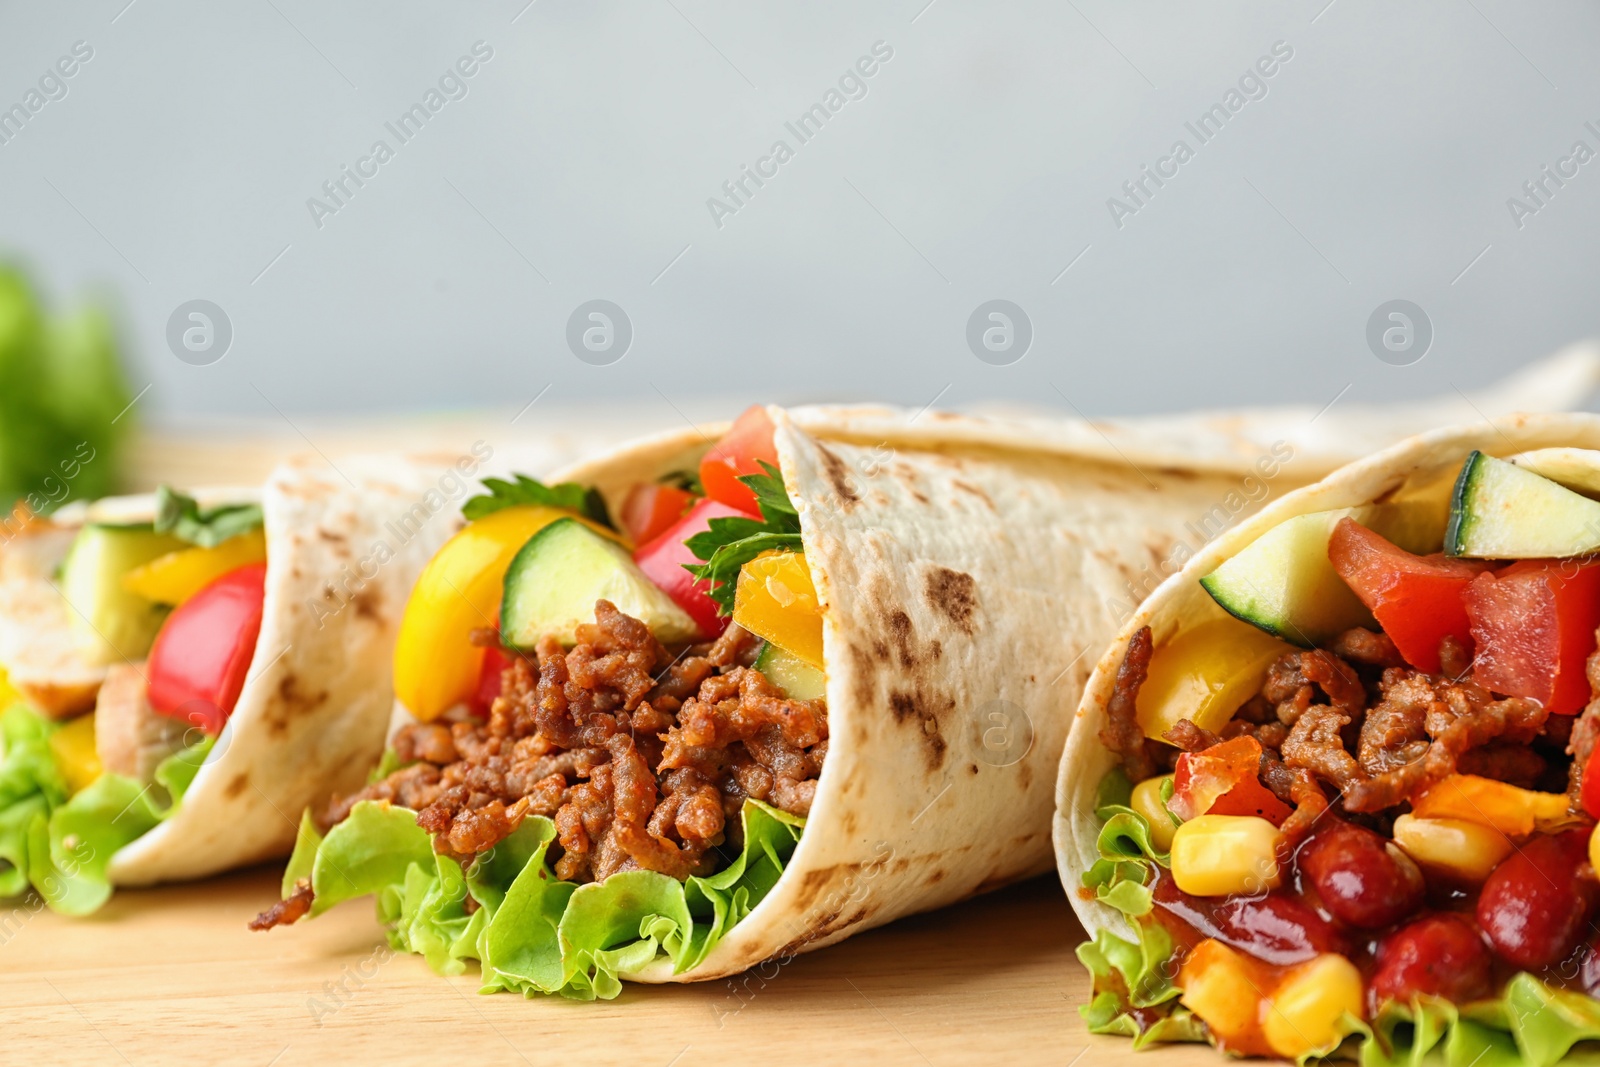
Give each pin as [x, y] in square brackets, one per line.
[177, 576]
[8, 694]
[776, 600]
[1512, 810]
[72, 744]
[436, 665]
[1204, 674]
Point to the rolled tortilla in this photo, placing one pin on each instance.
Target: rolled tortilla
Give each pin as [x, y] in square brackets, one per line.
[966, 583]
[1420, 470]
[344, 546]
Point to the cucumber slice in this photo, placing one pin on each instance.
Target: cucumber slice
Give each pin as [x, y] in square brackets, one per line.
[798, 679]
[556, 577]
[1284, 584]
[1503, 511]
[113, 624]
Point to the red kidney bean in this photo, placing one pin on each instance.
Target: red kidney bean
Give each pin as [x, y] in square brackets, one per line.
[1277, 927]
[1359, 880]
[1441, 954]
[1534, 908]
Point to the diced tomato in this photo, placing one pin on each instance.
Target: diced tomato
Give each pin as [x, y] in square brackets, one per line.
[1590, 798]
[739, 452]
[1222, 780]
[494, 662]
[1534, 624]
[663, 559]
[651, 508]
[1416, 599]
[200, 658]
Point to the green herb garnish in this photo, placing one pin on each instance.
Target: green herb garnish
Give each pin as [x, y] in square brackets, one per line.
[183, 518]
[585, 500]
[729, 543]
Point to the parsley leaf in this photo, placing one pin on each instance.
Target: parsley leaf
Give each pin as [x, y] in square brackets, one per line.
[183, 518]
[585, 500]
[730, 543]
[688, 481]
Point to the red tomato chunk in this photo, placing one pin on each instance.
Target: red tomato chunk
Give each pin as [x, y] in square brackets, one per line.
[1534, 625]
[1416, 599]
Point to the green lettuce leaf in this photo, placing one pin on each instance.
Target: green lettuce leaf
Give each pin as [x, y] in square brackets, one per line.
[63, 847]
[1530, 1023]
[529, 931]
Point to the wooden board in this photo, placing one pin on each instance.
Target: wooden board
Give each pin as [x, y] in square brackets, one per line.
[172, 975]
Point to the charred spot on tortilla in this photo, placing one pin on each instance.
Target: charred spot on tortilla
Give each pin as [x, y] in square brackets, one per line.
[838, 473]
[903, 706]
[937, 876]
[972, 768]
[368, 604]
[900, 633]
[237, 785]
[295, 699]
[955, 594]
[966, 487]
[329, 535]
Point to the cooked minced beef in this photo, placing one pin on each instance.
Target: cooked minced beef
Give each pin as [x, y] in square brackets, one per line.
[642, 759]
[1353, 721]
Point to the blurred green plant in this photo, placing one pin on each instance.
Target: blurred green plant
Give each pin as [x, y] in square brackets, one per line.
[61, 388]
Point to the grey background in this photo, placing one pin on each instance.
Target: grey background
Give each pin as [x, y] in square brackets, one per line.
[977, 167]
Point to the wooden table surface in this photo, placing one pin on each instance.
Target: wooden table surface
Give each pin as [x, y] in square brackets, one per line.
[171, 975]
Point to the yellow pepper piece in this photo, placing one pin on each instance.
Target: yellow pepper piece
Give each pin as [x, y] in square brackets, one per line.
[436, 665]
[72, 744]
[1223, 988]
[1146, 800]
[1514, 811]
[1204, 674]
[177, 576]
[776, 600]
[8, 695]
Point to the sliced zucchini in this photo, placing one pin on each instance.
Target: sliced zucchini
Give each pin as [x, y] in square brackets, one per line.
[1504, 511]
[1284, 584]
[112, 623]
[798, 679]
[556, 577]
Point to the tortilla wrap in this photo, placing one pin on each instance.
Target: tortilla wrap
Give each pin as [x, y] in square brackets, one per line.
[1423, 468]
[311, 716]
[966, 582]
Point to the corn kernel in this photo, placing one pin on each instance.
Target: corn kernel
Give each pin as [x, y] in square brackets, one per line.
[1147, 802]
[1307, 1011]
[1219, 986]
[1220, 855]
[1594, 849]
[1467, 850]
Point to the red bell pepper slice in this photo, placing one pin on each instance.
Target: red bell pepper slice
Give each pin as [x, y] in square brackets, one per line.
[651, 508]
[663, 560]
[1222, 780]
[1534, 623]
[495, 661]
[740, 452]
[1416, 599]
[201, 656]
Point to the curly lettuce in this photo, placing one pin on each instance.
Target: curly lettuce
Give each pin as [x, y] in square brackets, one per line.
[530, 932]
[62, 846]
[1531, 1024]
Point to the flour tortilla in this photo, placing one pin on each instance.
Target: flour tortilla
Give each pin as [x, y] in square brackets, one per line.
[1423, 467]
[967, 584]
[310, 719]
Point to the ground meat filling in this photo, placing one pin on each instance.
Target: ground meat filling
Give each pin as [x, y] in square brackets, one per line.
[642, 759]
[1352, 725]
